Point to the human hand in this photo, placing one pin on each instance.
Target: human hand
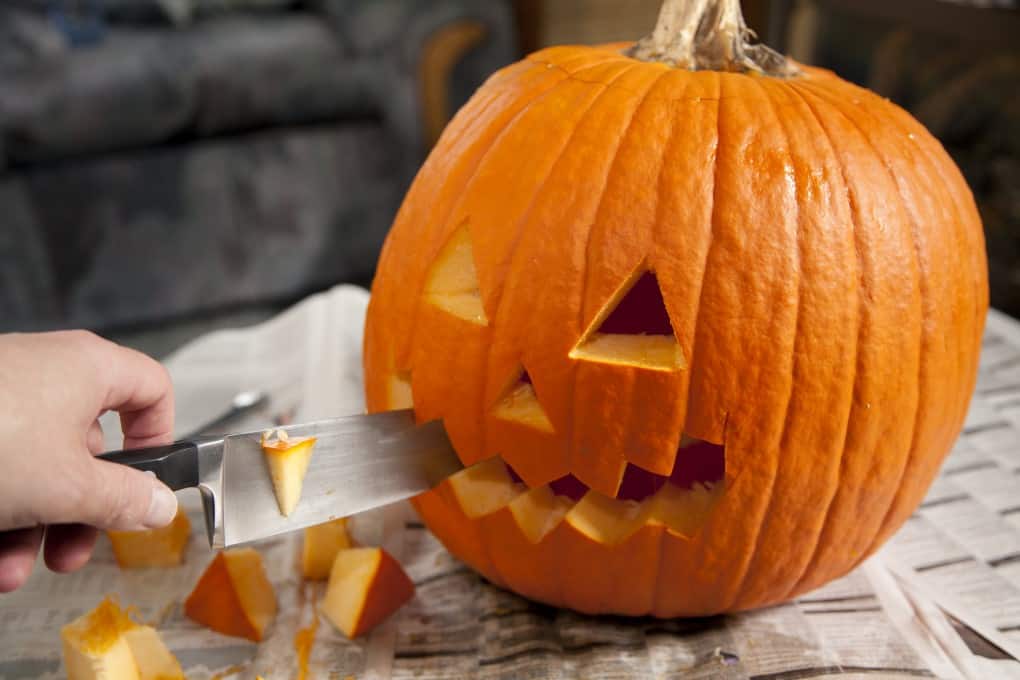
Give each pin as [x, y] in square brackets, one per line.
[53, 387]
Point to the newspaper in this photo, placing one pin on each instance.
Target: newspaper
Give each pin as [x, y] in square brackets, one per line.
[942, 600]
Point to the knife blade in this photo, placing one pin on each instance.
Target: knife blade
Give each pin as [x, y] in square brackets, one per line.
[358, 463]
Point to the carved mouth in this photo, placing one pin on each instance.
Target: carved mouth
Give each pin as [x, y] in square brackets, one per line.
[681, 502]
[697, 462]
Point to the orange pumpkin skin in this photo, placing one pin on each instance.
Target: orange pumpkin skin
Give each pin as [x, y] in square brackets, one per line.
[822, 263]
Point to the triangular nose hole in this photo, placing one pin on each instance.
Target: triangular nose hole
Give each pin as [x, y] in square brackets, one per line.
[519, 404]
[642, 311]
[633, 329]
[452, 283]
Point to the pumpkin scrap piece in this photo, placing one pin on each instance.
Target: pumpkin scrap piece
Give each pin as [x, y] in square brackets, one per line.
[321, 545]
[155, 661]
[288, 462]
[366, 585]
[234, 595]
[106, 644]
[154, 547]
[484, 487]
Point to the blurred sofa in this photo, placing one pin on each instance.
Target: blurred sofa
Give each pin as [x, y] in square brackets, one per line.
[166, 158]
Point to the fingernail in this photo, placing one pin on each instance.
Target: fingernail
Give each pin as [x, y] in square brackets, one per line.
[162, 507]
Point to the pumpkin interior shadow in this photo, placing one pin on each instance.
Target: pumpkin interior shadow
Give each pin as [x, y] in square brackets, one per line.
[697, 462]
[642, 311]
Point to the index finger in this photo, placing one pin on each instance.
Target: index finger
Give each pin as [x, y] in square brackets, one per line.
[139, 388]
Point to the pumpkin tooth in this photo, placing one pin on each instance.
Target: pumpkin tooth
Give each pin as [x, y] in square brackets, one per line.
[519, 427]
[520, 405]
[603, 473]
[487, 487]
[399, 391]
[607, 520]
[484, 488]
[538, 511]
[683, 511]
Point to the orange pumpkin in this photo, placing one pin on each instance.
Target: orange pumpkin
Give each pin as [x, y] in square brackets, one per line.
[709, 319]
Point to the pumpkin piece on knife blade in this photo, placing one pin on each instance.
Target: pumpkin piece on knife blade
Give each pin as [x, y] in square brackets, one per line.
[288, 462]
[153, 547]
[321, 544]
[234, 595]
[366, 585]
[106, 644]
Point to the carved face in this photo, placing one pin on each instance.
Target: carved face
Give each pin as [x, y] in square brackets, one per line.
[684, 326]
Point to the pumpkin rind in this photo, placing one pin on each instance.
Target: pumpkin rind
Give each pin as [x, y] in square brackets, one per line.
[821, 261]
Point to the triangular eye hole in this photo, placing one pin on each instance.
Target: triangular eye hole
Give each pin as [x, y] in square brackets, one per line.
[452, 283]
[633, 329]
[519, 404]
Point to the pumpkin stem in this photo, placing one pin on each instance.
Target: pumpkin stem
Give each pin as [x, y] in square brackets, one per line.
[708, 35]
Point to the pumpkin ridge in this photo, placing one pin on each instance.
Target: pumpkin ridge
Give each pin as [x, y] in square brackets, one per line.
[564, 66]
[923, 147]
[661, 190]
[701, 419]
[925, 266]
[956, 187]
[834, 550]
[926, 304]
[764, 522]
[522, 223]
[625, 132]
[437, 235]
[704, 430]
[433, 223]
[921, 154]
[824, 527]
[574, 75]
[571, 75]
[568, 428]
[660, 567]
[735, 130]
[444, 227]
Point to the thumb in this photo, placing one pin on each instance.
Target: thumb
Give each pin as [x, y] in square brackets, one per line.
[118, 497]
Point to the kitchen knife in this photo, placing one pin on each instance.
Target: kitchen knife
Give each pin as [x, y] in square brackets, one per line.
[358, 463]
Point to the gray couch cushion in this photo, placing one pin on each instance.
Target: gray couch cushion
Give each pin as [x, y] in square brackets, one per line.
[144, 86]
[27, 39]
[163, 11]
[143, 236]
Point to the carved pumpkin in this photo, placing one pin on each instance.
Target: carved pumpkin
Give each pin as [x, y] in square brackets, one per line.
[708, 320]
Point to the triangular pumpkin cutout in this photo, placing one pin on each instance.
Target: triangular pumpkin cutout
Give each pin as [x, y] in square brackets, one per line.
[519, 404]
[452, 283]
[633, 329]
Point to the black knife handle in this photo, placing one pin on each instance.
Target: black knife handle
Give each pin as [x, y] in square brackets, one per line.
[176, 465]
